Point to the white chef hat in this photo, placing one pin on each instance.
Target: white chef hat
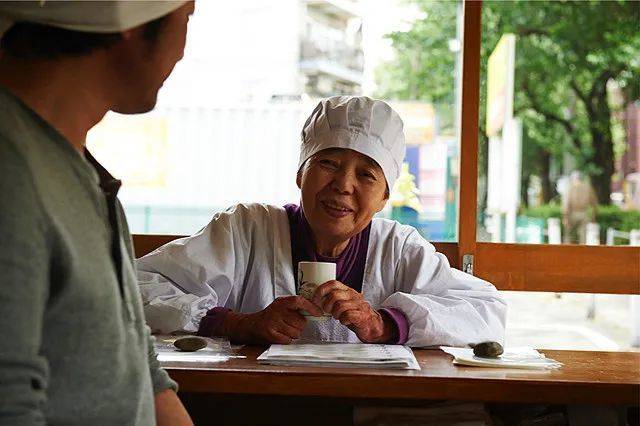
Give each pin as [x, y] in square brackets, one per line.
[85, 16]
[368, 126]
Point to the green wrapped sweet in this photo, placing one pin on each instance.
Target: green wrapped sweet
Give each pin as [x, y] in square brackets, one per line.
[488, 350]
[190, 344]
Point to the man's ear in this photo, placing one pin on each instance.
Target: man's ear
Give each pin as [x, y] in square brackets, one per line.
[127, 35]
[299, 179]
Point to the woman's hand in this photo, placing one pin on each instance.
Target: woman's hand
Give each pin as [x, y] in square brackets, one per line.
[349, 307]
[280, 322]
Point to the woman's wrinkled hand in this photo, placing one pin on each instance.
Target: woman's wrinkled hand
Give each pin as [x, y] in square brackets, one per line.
[349, 307]
[280, 322]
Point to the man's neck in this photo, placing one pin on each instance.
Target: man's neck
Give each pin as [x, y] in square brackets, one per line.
[68, 93]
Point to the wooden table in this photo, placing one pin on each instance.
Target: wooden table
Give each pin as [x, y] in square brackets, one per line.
[601, 378]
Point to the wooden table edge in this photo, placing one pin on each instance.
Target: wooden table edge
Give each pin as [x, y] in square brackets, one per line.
[353, 384]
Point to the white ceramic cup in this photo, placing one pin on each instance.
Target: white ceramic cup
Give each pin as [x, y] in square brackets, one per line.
[310, 276]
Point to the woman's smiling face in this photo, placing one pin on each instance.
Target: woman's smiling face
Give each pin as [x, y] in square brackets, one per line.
[341, 191]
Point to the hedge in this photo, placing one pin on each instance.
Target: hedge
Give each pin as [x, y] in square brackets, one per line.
[607, 216]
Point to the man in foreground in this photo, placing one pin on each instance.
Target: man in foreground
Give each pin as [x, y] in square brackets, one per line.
[76, 349]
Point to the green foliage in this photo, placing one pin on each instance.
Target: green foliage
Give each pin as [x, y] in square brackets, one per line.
[614, 217]
[544, 211]
[567, 52]
[424, 64]
[607, 216]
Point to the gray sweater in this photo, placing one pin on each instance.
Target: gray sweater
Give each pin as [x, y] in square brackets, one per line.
[75, 347]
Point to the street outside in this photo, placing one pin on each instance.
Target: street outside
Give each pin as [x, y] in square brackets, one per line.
[559, 321]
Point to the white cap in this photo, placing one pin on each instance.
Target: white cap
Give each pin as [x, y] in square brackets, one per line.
[86, 16]
[368, 126]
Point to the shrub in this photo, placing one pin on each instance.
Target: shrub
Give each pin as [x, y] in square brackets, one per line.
[621, 220]
[607, 217]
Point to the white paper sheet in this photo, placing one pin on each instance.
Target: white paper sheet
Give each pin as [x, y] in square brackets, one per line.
[341, 354]
[217, 350]
[520, 357]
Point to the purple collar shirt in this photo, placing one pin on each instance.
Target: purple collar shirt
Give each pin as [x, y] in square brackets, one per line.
[350, 266]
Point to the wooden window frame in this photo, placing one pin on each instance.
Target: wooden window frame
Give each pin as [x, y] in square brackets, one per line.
[146, 243]
[524, 267]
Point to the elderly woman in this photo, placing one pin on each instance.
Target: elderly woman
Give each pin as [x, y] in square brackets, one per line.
[236, 277]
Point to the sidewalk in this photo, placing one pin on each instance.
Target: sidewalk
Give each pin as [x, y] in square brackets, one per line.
[545, 321]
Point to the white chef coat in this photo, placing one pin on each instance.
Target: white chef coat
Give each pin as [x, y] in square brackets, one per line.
[242, 260]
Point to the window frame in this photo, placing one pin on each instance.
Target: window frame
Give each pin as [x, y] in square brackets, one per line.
[525, 267]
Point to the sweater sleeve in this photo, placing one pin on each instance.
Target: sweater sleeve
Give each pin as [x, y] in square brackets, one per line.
[24, 290]
[401, 324]
[210, 324]
[159, 377]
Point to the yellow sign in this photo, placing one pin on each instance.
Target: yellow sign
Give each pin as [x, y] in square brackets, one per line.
[500, 72]
[419, 120]
[132, 147]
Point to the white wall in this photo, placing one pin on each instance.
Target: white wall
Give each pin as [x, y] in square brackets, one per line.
[218, 157]
[237, 51]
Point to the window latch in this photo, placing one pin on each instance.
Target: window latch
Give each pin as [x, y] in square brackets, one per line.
[467, 263]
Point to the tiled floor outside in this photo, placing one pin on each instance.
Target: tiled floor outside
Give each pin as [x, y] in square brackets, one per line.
[550, 321]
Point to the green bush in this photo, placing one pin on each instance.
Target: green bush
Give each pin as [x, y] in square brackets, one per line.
[621, 220]
[544, 211]
[607, 216]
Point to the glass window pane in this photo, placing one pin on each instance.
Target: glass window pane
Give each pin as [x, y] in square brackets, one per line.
[227, 124]
[559, 143]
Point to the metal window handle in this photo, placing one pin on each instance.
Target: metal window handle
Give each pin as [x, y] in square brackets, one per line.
[467, 263]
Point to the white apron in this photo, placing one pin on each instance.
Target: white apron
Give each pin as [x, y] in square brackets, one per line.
[242, 260]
